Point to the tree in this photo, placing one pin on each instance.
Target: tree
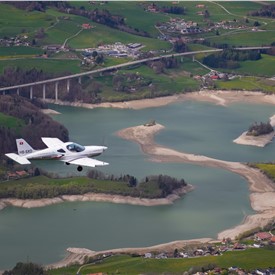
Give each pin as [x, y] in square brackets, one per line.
[206, 14]
[94, 54]
[25, 268]
[132, 181]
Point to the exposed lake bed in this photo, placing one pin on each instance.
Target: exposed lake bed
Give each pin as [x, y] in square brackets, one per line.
[124, 155]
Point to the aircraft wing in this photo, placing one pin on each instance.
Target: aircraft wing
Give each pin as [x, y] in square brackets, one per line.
[52, 142]
[17, 158]
[87, 162]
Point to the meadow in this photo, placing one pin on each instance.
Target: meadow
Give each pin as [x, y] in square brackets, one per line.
[54, 66]
[59, 29]
[11, 122]
[268, 169]
[247, 83]
[48, 187]
[123, 264]
[14, 21]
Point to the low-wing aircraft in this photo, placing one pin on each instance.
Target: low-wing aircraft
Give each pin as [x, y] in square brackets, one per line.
[68, 152]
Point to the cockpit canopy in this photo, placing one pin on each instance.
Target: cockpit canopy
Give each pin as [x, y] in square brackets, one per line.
[74, 147]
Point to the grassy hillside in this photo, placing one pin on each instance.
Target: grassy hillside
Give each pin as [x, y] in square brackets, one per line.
[60, 28]
[11, 122]
[267, 168]
[45, 187]
[47, 65]
[247, 83]
[14, 21]
[122, 264]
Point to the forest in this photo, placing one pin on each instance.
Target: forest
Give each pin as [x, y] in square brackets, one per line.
[229, 58]
[41, 186]
[35, 123]
[265, 11]
[257, 129]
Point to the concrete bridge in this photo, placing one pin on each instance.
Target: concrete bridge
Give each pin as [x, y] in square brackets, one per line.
[56, 81]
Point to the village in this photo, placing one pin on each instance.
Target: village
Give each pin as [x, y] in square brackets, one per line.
[257, 240]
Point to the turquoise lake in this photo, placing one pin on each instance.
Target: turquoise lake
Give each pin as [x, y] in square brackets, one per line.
[220, 199]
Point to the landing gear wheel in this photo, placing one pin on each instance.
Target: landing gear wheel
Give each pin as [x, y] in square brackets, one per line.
[79, 168]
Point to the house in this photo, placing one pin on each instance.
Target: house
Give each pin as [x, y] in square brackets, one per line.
[148, 255]
[214, 77]
[86, 26]
[263, 236]
[273, 239]
[21, 173]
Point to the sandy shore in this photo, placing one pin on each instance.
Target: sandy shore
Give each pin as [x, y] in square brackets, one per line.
[259, 184]
[262, 194]
[260, 141]
[218, 97]
[79, 254]
[97, 197]
[262, 190]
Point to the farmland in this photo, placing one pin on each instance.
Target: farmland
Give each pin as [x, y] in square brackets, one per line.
[249, 259]
[54, 27]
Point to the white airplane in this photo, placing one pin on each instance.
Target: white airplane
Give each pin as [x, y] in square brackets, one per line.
[68, 152]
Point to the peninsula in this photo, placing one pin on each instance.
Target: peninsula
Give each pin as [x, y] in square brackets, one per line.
[260, 186]
[256, 140]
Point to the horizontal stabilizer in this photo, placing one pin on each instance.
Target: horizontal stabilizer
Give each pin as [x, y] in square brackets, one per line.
[17, 158]
[88, 162]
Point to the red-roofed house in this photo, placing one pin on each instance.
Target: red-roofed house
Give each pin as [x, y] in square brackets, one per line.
[214, 77]
[263, 236]
[86, 26]
[21, 173]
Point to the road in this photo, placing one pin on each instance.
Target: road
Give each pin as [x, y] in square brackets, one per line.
[115, 67]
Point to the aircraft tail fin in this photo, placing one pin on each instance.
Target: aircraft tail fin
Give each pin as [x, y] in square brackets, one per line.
[23, 147]
[17, 158]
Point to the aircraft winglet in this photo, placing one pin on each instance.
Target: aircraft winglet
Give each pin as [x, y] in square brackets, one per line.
[17, 158]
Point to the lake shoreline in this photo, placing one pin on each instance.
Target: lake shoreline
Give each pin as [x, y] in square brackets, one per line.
[96, 197]
[259, 184]
[218, 97]
[262, 190]
[262, 195]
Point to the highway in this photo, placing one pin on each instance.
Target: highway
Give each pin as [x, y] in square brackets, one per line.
[115, 67]
[103, 69]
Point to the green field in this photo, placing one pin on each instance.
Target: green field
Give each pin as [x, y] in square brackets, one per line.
[45, 187]
[167, 83]
[248, 84]
[7, 52]
[11, 122]
[267, 168]
[122, 264]
[245, 38]
[14, 21]
[62, 27]
[47, 65]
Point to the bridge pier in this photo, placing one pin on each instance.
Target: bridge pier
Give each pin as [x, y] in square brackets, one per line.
[68, 85]
[17, 91]
[56, 91]
[44, 91]
[31, 92]
[79, 80]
